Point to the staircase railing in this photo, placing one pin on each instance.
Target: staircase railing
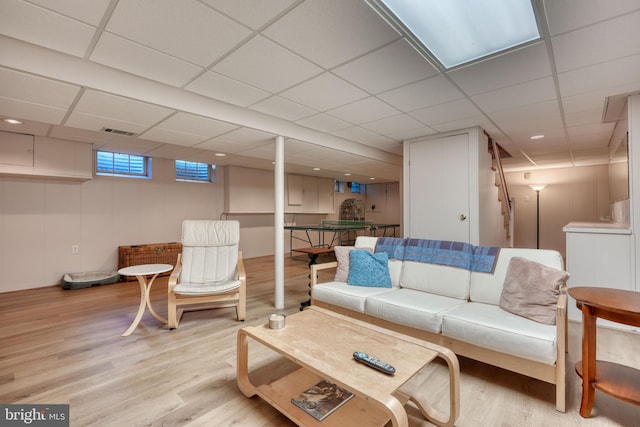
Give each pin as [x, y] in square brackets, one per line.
[508, 202]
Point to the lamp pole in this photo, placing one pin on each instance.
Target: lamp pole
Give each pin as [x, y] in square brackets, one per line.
[538, 188]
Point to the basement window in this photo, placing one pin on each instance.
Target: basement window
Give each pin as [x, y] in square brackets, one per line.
[195, 172]
[123, 165]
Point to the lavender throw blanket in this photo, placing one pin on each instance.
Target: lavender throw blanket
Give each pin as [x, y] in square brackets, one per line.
[455, 254]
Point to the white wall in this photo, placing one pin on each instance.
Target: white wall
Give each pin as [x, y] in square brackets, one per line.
[572, 194]
[40, 219]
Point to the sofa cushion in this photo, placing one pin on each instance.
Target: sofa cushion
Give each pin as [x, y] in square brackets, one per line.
[487, 287]
[367, 269]
[436, 279]
[342, 256]
[344, 295]
[411, 308]
[489, 326]
[531, 290]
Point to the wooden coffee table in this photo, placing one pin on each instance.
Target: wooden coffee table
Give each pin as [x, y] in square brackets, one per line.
[322, 344]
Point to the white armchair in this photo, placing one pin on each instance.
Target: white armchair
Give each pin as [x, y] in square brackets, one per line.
[209, 272]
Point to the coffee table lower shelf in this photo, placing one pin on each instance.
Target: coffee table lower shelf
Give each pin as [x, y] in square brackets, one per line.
[356, 411]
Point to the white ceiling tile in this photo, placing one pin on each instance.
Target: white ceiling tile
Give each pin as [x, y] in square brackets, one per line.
[116, 107]
[253, 13]
[378, 71]
[426, 93]
[323, 122]
[582, 117]
[96, 123]
[606, 75]
[73, 134]
[330, 32]
[36, 25]
[37, 90]
[393, 125]
[280, 107]
[534, 91]
[187, 29]
[29, 127]
[172, 136]
[248, 136]
[364, 136]
[134, 58]
[264, 64]
[227, 147]
[324, 92]
[169, 151]
[517, 66]
[590, 132]
[220, 87]
[88, 12]
[609, 40]
[196, 125]
[446, 112]
[124, 144]
[363, 111]
[567, 15]
[17, 109]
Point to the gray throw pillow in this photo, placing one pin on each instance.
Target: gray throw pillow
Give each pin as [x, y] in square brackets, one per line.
[531, 290]
[342, 256]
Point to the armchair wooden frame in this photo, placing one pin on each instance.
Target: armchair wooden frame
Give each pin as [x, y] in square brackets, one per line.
[236, 297]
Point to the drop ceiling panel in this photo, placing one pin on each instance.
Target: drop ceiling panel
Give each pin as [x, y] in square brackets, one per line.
[187, 29]
[324, 92]
[283, 108]
[530, 92]
[446, 112]
[253, 13]
[123, 144]
[196, 125]
[363, 111]
[31, 111]
[571, 15]
[393, 125]
[316, 27]
[225, 89]
[323, 122]
[422, 94]
[28, 127]
[378, 71]
[39, 26]
[266, 65]
[518, 66]
[34, 89]
[606, 75]
[116, 107]
[137, 59]
[365, 136]
[595, 44]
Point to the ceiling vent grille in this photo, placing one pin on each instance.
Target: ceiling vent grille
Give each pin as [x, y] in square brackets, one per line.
[118, 132]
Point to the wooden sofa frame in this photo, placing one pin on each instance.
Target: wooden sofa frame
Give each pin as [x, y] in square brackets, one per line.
[553, 374]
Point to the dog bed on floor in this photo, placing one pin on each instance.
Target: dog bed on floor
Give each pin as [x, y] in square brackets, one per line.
[89, 278]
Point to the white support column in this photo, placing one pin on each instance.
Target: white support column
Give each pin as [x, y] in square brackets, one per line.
[279, 222]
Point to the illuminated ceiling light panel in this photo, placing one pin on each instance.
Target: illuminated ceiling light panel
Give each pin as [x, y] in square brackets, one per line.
[459, 31]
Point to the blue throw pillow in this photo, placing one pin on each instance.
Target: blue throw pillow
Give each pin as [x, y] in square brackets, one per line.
[367, 269]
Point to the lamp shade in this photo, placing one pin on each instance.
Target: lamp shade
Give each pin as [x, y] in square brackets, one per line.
[538, 187]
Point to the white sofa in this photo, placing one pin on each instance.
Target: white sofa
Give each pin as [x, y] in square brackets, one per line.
[458, 309]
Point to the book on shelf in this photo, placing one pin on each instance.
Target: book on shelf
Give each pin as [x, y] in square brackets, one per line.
[322, 399]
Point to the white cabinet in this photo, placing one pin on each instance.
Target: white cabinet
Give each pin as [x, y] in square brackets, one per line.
[326, 192]
[309, 194]
[598, 254]
[45, 157]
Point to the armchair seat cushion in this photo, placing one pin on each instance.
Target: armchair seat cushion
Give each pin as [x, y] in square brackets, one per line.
[211, 288]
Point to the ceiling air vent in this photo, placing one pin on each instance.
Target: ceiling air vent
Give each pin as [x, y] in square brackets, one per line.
[118, 132]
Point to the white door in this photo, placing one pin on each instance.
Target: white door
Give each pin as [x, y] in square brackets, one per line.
[439, 189]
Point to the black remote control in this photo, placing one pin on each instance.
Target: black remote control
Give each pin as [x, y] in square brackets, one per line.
[374, 363]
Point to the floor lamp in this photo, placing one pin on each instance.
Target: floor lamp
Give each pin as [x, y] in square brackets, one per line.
[538, 188]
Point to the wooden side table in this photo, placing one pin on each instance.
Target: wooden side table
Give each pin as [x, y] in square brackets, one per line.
[141, 272]
[619, 381]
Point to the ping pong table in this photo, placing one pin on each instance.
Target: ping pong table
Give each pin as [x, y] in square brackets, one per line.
[340, 232]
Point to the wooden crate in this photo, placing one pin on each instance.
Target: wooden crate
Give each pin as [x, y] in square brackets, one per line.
[154, 253]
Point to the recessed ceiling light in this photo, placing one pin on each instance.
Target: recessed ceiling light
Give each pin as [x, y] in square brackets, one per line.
[372, 178]
[347, 174]
[316, 169]
[536, 137]
[12, 121]
[220, 155]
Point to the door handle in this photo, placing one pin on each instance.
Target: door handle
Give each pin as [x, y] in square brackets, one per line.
[462, 217]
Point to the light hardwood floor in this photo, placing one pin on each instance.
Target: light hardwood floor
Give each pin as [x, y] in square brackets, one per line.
[62, 346]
